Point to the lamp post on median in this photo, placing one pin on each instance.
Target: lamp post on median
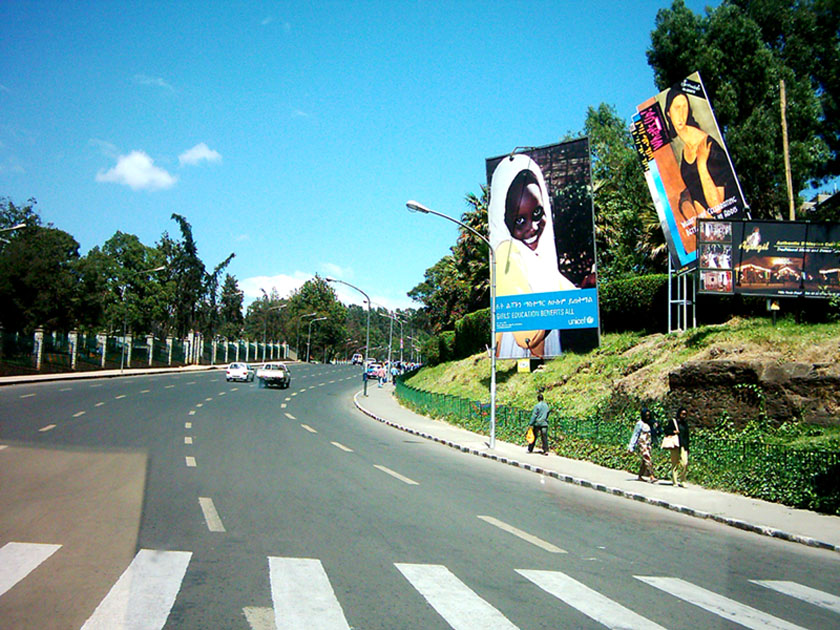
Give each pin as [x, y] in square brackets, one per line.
[297, 341]
[265, 325]
[418, 207]
[125, 308]
[367, 333]
[309, 335]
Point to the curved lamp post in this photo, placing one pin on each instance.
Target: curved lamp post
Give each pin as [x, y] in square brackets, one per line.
[418, 207]
[309, 335]
[367, 333]
[297, 341]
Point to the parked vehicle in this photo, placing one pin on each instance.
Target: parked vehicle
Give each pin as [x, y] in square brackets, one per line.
[372, 370]
[358, 359]
[275, 374]
[239, 372]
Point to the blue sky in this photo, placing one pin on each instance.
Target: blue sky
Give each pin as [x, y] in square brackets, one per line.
[291, 133]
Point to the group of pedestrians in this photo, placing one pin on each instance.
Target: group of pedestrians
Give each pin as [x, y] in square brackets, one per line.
[675, 438]
[646, 434]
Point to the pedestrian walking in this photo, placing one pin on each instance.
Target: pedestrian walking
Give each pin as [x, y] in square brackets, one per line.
[643, 438]
[539, 422]
[677, 441]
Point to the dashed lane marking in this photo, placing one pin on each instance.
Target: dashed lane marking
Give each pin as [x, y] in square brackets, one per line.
[99, 404]
[192, 412]
[521, 534]
[27, 396]
[79, 414]
[396, 475]
[342, 447]
[290, 416]
[49, 427]
[188, 440]
[308, 428]
[211, 516]
[119, 397]
[145, 391]
[188, 425]
[190, 461]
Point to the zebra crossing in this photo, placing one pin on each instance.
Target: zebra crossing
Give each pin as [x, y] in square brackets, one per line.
[303, 597]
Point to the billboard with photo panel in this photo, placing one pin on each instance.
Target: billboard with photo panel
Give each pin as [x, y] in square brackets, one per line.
[543, 237]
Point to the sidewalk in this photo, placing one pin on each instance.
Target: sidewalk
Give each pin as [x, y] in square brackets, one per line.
[87, 374]
[761, 517]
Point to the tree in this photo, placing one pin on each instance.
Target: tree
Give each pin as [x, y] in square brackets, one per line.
[38, 280]
[742, 48]
[230, 309]
[187, 273]
[628, 235]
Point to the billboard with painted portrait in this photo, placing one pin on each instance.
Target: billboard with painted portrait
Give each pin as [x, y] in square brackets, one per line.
[543, 237]
[687, 166]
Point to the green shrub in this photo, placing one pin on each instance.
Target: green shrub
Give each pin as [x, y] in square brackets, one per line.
[639, 303]
[472, 333]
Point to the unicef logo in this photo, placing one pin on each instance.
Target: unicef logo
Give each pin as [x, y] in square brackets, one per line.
[590, 320]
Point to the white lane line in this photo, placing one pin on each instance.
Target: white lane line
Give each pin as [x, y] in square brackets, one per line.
[78, 414]
[233, 389]
[3, 447]
[49, 427]
[188, 425]
[453, 600]
[208, 399]
[591, 603]
[168, 386]
[303, 597]
[97, 385]
[295, 393]
[17, 560]
[145, 391]
[259, 618]
[120, 396]
[521, 534]
[718, 604]
[805, 593]
[191, 383]
[191, 412]
[144, 594]
[282, 405]
[66, 389]
[211, 516]
[289, 416]
[342, 447]
[99, 404]
[199, 404]
[287, 398]
[222, 393]
[308, 428]
[396, 475]
[27, 395]
[190, 461]
[188, 440]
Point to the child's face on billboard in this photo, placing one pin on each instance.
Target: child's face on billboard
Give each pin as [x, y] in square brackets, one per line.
[529, 222]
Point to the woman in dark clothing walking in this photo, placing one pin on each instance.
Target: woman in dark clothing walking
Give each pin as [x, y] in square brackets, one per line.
[679, 456]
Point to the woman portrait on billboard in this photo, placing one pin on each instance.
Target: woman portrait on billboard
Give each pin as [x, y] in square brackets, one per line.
[522, 236]
[704, 165]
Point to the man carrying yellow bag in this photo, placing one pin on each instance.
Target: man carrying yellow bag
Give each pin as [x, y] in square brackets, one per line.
[538, 425]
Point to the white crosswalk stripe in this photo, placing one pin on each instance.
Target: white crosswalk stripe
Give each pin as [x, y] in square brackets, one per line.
[591, 603]
[805, 593]
[303, 596]
[718, 604]
[17, 560]
[143, 596]
[452, 599]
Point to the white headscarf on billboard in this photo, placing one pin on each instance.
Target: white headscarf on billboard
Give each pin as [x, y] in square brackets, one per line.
[519, 268]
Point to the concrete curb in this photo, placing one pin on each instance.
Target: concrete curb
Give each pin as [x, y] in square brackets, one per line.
[91, 374]
[584, 483]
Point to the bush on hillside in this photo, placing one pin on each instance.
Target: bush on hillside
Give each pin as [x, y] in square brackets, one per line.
[639, 303]
[472, 333]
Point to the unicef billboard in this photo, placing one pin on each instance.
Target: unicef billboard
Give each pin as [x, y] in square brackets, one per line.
[543, 237]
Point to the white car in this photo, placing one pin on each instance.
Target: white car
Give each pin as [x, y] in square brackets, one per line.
[274, 374]
[239, 372]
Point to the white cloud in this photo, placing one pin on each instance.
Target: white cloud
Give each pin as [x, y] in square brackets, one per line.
[331, 269]
[299, 113]
[267, 20]
[143, 79]
[138, 171]
[198, 153]
[284, 283]
[106, 148]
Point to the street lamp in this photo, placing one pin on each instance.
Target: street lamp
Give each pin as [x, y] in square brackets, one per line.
[265, 325]
[297, 341]
[10, 229]
[367, 333]
[125, 308]
[418, 207]
[309, 335]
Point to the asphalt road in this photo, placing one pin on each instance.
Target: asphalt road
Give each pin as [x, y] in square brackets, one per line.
[184, 501]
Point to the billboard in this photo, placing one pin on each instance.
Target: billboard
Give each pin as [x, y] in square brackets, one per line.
[687, 166]
[769, 258]
[542, 233]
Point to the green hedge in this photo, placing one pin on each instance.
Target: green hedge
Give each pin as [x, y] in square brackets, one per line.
[639, 303]
[472, 333]
[799, 477]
